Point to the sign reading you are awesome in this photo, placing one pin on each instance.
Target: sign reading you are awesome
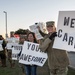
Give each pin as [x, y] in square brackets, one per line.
[32, 55]
[16, 50]
[65, 31]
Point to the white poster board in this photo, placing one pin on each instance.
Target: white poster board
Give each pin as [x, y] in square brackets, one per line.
[34, 29]
[65, 31]
[1, 48]
[15, 51]
[32, 55]
[11, 41]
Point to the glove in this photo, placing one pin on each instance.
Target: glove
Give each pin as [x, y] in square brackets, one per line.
[53, 35]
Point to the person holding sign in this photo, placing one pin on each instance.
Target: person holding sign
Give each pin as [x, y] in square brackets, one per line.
[21, 42]
[2, 51]
[9, 49]
[57, 59]
[31, 69]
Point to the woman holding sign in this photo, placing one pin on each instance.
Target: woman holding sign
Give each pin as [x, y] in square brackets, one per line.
[31, 69]
[57, 59]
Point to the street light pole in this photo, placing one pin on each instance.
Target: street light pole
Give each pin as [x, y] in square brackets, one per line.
[6, 22]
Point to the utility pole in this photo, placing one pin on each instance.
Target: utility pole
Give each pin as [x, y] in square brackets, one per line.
[6, 23]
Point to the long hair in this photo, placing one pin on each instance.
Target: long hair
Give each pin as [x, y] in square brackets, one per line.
[35, 40]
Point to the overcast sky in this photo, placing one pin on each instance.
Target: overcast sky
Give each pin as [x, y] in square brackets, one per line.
[23, 13]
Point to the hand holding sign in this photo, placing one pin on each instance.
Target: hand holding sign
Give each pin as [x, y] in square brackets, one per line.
[38, 28]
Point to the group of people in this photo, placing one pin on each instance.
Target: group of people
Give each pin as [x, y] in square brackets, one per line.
[5, 53]
[58, 60]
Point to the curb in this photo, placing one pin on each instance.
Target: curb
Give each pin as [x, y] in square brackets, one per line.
[72, 67]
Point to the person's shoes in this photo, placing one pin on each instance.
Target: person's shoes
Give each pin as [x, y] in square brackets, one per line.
[12, 65]
[23, 74]
[0, 62]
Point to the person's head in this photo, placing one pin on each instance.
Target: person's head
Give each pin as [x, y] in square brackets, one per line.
[11, 34]
[31, 37]
[50, 25]
[22, 39]
[1, 38]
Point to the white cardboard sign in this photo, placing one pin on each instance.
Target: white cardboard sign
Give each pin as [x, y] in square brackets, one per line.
[32, 55]
[15, 51]
[11, 41]
[65, 39]
[1, 41]
[34, 29]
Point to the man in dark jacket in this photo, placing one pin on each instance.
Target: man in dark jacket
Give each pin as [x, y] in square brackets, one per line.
[2, 51]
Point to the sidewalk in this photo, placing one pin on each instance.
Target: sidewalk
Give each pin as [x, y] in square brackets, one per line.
[72, 59]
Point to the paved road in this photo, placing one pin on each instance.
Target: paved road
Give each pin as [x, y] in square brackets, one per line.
[72, 59]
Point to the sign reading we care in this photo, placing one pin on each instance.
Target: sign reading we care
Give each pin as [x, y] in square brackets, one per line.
[65, 31]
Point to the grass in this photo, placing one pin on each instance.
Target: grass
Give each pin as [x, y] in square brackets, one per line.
[11, 71]
[17, 70]
[71, 71]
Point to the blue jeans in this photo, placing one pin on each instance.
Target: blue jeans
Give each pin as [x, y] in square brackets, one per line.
[30, 69]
